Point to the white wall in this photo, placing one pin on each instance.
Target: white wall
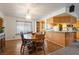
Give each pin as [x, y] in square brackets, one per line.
[1, 14]
[6, 24]
[10, 27]
[73, 13]
[60, 11]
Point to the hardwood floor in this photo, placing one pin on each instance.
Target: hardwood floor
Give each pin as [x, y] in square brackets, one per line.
[13, 48]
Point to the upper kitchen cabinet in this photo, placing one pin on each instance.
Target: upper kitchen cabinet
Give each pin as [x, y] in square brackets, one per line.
[77, 24]
[64, 19]
[40, 25]
[50, 20]
[37, 26]
[1, 22]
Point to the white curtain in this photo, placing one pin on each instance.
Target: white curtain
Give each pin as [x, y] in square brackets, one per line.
[24, 26]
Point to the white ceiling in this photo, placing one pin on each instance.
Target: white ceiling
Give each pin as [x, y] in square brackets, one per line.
[37, 10]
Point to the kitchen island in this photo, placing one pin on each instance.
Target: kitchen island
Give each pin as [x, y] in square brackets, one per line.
[61, 38]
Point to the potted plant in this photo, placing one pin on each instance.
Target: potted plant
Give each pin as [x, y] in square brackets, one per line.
[1, 29]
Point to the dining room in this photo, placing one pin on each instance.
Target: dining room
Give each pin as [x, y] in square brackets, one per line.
[37, 28]
[24, 18]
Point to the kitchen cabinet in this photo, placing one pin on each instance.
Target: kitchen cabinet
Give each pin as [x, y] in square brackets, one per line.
[61, 38]
[70, 37]
[77, 33]
[1, 22]
[77, 24]
[77, 36]
[50, 21]
[37, 26]
[64, 19]
[56, 37]
[40, 26]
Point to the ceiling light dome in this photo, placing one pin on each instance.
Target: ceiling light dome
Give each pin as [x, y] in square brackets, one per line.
[28, 16]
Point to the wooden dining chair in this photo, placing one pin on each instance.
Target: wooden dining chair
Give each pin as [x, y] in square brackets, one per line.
[39, 43]
[26, 44]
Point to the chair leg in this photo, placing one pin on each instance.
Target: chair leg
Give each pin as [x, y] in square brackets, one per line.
[44, 50]
[22, 49]
[36, 51]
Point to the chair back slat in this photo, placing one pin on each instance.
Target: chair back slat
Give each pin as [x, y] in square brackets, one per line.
[22, 36]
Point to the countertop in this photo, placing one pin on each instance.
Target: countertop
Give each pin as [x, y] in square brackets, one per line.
[62, 31]
[1, 34]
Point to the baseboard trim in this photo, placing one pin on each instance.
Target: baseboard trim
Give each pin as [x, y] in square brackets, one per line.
[11, 39]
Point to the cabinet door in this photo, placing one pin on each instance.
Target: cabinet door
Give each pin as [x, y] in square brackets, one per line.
[77, 36]
[1, 23]
[72, 19]
[50, 21]
[70, 38]
[56, 19]
[41, 26]
[38, 27]
[64, 19]
[67, 37]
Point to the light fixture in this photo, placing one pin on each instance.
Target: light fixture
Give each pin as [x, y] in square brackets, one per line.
[28, 14]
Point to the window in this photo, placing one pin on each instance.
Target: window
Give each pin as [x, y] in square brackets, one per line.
[23, 26]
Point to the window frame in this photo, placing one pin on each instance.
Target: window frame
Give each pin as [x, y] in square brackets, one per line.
[24, 22]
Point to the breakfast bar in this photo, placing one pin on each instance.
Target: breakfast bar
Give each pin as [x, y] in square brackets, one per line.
[62, 38]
